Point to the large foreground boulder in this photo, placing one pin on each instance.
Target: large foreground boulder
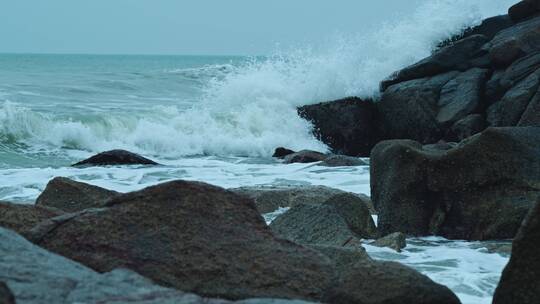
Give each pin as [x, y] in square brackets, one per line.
[22, 218]
[197, 237]
[481, 189]
[72, 196]
[36, 276]
[348, 125]
[115, 158]
[336, 222]
[521, 277]
[194, 237]
[271, 198]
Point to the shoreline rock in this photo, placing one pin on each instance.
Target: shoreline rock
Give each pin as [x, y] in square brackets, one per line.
[115, 158]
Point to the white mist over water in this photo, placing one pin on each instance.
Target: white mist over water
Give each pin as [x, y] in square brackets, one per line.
[250, 109]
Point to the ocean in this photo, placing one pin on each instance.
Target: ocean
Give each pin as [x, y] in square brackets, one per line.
[218, 119]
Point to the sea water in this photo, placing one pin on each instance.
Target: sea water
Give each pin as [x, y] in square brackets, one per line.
[218, 120]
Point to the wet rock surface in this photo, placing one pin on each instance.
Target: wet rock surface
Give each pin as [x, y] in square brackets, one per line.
[72, 196]
[115, 158]
[22, 218]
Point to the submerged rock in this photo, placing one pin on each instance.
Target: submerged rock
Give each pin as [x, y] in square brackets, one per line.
[480, 190]
[115, 158]
[6, 297]
[271, 198]
[194, 237]
[342, 161]
[282, 152]
[37, 276]
[305, 156]
[71, 196]
[336, 222]
[521, 277]
[22, 218]
[396, 241]
[348, 126]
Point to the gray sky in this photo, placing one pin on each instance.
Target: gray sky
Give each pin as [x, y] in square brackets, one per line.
[243, 27]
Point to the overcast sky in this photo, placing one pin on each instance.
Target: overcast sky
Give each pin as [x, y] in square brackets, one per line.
[227, 27]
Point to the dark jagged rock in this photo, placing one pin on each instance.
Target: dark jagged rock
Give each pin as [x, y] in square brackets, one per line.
[194, 237]
[460, 56]
[389, 283]
[6, 297]
[489, 28]
[480, 190]
[269, 199]
[409, 109]
[468, 126]
[22, 218]
[37, 276]
[520, 70]
[515, 42]
[343, 257]
[531, 117]
[396, 241]
[521, 277]
[348, 126]
[342, 161]
[494, 91]
[115, 158]
[305, 156]
[333, 223]
[509, 110]
[524, 9]
[461, 96]
[282, 152]
[71, 196]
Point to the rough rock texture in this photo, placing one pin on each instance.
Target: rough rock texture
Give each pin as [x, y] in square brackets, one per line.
[489, 28]
[115, 158]
[342, 161]
[336, 222]
[480, 190]
[515, 42]
[370, 282]
[531, 116]
[521, 277]
[347, 125]
[523, 10]
[460, 56]
[6, 297]
[409, 109]
[282, 152]
[194, 237]
[22, 218]
[467, 127]
[71, 196]
[305, 156]
[270, 198]
[396, 241]
[38, 276]
[343, 257]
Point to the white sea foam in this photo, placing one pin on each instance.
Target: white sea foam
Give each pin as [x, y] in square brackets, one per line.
[251, 109]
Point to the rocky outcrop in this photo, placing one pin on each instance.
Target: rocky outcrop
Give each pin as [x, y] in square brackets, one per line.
[196, 238]
[347, 125]
[396, 241]
[521, 277]
[72, 196]
[22, 218]
[271, 198]
[336, 222]
[6, 297]
[488, 76]
[37, 276]
[481, 189]
[115, 158]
